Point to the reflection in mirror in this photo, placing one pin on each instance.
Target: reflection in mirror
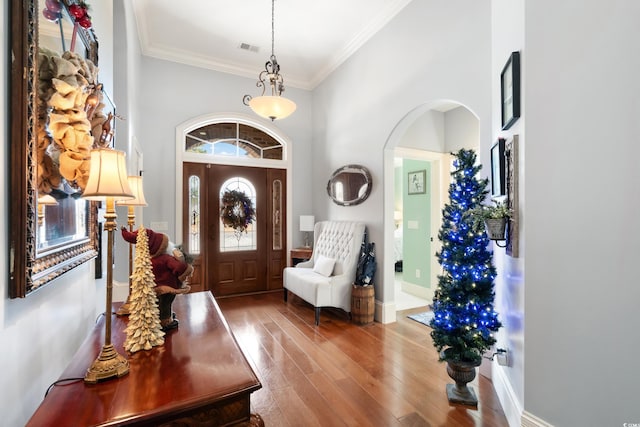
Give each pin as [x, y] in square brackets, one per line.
[56, 30]
[49, 134]
[350, 185]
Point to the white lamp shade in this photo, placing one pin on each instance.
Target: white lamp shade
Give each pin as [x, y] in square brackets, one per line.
[135, 183]
[307, 222]
[397, 215]
[107, 176]
[272, 107]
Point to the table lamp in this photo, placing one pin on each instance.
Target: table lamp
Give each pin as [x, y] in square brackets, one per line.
[135, 183]
[306, 224]
[108, 181]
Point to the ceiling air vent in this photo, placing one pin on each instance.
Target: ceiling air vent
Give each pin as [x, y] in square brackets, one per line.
[247, 46]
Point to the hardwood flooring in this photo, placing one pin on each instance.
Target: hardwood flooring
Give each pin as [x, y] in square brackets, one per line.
[342, 374]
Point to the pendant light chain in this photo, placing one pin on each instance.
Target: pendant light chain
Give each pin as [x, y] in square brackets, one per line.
[273, 30]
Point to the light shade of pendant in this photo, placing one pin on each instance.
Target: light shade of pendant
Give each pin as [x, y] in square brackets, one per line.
[272, 107]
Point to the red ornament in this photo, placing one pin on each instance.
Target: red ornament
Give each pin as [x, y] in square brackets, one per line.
[77, 11]
[85, 21]
[53, 6]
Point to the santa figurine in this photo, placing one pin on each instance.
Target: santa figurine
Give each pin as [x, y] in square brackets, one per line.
[171, 273]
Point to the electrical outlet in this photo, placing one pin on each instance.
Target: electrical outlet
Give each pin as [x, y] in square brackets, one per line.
[502, 356]
[417, 273]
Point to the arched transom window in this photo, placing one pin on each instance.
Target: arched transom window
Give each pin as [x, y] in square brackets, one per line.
[232, 139]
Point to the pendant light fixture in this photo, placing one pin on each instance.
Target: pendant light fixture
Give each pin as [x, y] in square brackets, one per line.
[274, 106]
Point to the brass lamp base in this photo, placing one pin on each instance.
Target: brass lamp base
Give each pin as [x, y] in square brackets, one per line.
[108, 364]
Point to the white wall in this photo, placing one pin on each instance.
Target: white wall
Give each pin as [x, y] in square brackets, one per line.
[427, 132]
[582, 295]
[39, 334]
[431, 50]
[508, 36]
[461, 130]
[126, 66]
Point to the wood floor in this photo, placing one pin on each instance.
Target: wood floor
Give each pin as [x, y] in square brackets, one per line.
[342, 374]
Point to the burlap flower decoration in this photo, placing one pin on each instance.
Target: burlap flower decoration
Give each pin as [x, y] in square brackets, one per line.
[65, 82]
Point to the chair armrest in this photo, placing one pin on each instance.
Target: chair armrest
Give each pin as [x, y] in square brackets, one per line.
[305, 264]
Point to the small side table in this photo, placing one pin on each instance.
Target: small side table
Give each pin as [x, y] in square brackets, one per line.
[300, 254]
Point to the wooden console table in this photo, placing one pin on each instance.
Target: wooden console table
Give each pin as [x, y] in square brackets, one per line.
[199, 377]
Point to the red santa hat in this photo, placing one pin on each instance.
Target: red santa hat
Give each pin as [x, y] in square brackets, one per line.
[158, 242]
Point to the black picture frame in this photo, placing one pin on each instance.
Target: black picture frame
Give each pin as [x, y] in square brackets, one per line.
[417, 182]
[510, 91]
[498, 182]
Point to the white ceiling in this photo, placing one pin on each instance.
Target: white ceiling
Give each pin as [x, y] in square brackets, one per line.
[312, 38]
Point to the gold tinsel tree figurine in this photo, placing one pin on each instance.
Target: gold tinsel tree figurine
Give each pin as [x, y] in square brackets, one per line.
[144, 330]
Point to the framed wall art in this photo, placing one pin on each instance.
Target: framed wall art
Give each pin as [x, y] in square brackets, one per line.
[417, 182]
[510, 91]
[498, 169]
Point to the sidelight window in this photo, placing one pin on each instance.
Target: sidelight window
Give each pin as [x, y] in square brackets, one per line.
[194, 215]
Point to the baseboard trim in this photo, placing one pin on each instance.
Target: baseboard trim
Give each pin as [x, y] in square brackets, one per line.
[506, 395]
[417, 290]
[530, 420]
[385, 313]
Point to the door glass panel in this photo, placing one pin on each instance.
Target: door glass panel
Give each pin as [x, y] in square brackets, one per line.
[236, 239]
[277, 214]
[194, 215]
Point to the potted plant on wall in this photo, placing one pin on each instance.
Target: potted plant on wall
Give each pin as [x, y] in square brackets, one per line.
[494, 219]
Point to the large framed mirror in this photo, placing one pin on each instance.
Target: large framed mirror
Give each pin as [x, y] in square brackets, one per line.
[349, 185]
[52, 230]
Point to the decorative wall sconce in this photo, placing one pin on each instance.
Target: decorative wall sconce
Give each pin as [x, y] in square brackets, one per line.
[108, 181]
[135, 183]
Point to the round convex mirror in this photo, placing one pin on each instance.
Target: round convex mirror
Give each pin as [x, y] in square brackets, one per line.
[350, 185]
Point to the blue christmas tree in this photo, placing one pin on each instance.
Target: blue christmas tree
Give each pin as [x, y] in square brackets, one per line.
[464, 319]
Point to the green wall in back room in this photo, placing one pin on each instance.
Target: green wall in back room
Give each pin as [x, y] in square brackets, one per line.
[416, 226]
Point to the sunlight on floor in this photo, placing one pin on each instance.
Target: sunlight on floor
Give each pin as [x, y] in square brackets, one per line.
[405, 301]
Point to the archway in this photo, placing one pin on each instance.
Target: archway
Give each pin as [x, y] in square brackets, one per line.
[426, 134]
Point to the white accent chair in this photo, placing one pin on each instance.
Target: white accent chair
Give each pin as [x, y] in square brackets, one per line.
[338, 241]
